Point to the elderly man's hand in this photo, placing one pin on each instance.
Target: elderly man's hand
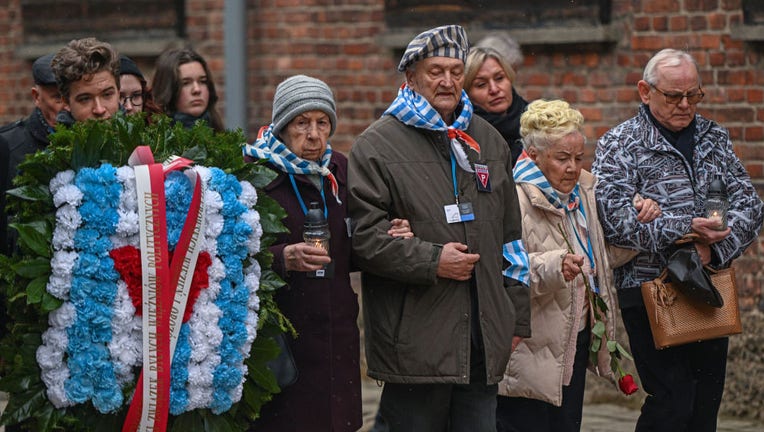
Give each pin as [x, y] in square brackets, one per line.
[648, 209]
[455, 262]
[708, 230]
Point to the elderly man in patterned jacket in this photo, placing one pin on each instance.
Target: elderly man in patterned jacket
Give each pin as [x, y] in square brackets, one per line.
[671, 154]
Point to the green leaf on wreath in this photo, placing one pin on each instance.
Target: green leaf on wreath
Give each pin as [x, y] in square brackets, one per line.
[31, 193]
[49, 303]
[35, 289]
[188, 422]
[23, 406]
[32, 268]
[35, 236]
[219, 423]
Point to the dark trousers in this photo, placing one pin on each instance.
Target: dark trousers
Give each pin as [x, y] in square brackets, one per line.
[517, 414]
[684, 384]
[439, 407]
[443, 407]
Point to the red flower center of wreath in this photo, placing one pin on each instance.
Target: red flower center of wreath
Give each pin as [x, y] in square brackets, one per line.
[127, 261]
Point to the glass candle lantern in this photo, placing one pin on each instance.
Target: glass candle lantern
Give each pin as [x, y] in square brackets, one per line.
[717, 202]
[316, 228]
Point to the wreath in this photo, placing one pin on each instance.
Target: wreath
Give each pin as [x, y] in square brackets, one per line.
[139, 292]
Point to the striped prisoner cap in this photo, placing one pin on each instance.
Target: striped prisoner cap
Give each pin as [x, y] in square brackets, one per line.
[446, 41]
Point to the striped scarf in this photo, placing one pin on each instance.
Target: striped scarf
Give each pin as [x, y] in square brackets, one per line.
[269, 148]
[412, 109]
[526, 171]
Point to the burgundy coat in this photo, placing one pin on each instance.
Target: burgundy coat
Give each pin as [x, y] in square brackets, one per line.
[327, 394]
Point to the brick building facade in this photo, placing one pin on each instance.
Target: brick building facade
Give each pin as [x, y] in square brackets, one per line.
[589, 52]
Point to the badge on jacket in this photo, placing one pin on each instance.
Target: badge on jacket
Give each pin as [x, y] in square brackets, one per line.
[482, 178]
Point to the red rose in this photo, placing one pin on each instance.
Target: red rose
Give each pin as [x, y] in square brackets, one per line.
[627, 385]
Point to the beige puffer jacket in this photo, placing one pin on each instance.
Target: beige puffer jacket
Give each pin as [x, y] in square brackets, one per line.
[542, 364]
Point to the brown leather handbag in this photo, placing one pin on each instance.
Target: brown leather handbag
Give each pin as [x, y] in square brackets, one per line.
[677, 319]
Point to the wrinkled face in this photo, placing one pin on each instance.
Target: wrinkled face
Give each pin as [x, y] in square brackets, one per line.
[440, 80]
[562, 161]
[307, 134]
[491, 89]
[95, 96]
[194, 93]
[48, 99]
[682, 79]
[130, 93]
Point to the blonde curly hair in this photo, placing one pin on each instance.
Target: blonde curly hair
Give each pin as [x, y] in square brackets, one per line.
[545, 122]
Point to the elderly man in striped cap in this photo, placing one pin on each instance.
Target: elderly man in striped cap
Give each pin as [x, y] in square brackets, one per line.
[442, 310]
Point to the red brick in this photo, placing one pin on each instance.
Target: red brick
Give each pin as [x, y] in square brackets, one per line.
[755, 169]
[652, 43]
[716, 58]
[677, 23]
[642, 23]
[660, 23]
[755, 95]
[731, 5]
[753, 133]
[700, 5]
[659, 6]
[698, 23]
[736, 95]
[749, 151]
[717, 21]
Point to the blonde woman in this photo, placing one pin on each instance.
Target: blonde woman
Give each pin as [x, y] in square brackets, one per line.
[543, 386]
[488, 80]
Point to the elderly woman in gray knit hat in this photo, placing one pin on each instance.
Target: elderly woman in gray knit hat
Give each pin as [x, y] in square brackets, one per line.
[326, 394]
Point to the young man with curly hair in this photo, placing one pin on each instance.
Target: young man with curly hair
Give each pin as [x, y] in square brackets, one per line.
[87, 74]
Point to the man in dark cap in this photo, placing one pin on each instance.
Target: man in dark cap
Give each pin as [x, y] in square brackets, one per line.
[30, 134]
[443, 310]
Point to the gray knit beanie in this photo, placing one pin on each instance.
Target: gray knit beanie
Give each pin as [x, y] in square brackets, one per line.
[298, 94]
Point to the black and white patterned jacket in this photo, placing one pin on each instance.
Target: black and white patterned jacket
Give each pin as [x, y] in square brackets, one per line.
[635, 158]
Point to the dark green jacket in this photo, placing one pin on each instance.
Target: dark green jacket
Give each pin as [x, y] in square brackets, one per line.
[417, 325]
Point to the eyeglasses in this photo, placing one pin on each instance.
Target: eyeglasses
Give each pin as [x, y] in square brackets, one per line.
[136, 99]
[674, 98]
[304, 126]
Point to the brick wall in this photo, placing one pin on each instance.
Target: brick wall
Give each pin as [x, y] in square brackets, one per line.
[339, 42]
[15, 73]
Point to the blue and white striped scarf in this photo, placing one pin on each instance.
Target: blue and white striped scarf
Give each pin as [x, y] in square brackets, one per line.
[268, 147]
[526, 171]
[413, 109]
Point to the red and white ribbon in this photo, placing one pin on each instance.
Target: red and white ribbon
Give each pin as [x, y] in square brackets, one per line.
[166, 286]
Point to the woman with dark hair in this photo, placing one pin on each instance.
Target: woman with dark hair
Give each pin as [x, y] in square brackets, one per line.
[183, 88]
[134, 94]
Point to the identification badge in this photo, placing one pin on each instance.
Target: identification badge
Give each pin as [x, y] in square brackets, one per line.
[461, 212]
[465, 212]
[325, 273]
[483, 178]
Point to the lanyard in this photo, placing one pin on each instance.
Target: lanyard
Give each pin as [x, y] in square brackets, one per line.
[300, 200]
[453, 176]
[588, 248]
